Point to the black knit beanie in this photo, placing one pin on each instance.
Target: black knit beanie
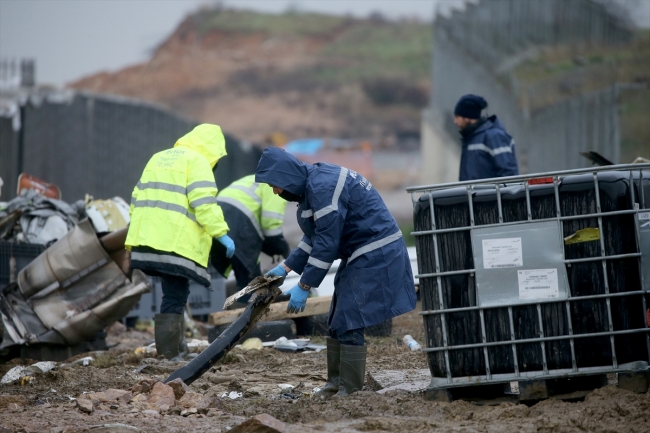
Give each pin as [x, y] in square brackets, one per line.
[470, 106]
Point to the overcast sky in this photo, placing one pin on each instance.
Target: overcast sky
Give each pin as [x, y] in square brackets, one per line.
[70, 39]
[73, 38]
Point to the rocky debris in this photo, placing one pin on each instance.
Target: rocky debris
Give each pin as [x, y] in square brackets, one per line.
[199, 401]
[14, 407]
[143, 386]
[188, 412]
[190, 399]
[85, 405]
[151, 398]
[409, 380]
[162, 395]
[111, 395]
[6, 400]
[46, 407]
[179, 388]
[262, 423]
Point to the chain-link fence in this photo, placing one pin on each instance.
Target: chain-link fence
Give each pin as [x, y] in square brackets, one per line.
[97, 144]
[492, 31]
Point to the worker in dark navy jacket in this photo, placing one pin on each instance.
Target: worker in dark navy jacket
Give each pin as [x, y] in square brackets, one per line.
[342, 217]
[488, 149]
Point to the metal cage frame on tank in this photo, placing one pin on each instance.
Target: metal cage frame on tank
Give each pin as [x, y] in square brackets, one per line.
[482, 325]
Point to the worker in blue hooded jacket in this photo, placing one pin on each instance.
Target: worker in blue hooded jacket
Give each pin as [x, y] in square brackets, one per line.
[488, 149]
[342, 217]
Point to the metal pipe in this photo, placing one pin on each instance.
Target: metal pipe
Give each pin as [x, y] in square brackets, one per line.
[535, 340]
[567, 261]
[512, 338]
[518, 178]
[563, 218]
[443, 318]
[484, 339]
[604, 266]
[559, 373]
[541, 339]
[602, 258]
[520, 304]
[529, 213]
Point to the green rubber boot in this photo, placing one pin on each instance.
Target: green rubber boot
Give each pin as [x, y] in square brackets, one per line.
[353, 369]
[333, 367]
[168, 332]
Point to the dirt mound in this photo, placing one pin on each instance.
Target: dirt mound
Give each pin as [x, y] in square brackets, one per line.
[301, 75]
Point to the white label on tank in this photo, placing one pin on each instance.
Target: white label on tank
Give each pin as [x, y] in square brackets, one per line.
[644, 216]
[502, 253]
[538, 284]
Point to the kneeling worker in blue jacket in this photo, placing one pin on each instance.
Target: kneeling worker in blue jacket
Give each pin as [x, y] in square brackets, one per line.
[342, 217]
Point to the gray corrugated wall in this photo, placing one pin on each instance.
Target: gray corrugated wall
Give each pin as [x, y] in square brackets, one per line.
[98, 145]
[8, 158]
[472, 47]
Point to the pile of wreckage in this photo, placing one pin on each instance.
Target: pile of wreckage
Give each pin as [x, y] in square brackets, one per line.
[64, 272]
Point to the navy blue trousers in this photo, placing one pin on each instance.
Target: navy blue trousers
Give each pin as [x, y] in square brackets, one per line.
[175, 290]
[353, 337]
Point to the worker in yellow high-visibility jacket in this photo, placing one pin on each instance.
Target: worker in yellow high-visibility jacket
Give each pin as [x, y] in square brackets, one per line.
[255, 216]
[174, 217]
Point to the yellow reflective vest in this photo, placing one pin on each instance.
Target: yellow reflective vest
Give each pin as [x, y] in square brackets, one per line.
[174, 206]
[264, 209]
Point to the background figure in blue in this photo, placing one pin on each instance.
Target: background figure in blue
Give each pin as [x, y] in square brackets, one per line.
[342, 217]
[488, 149]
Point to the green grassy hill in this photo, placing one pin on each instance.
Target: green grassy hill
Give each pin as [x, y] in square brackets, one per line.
[351, 49]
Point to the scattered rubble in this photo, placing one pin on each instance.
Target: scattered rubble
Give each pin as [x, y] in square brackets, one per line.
[110, 394]
[36, 219]
[252, 344]
[26, 374]
[409, 380]
[262, 423]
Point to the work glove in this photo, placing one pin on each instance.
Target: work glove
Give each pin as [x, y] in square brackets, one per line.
[278, 271]
[229, 244]
[298, 299]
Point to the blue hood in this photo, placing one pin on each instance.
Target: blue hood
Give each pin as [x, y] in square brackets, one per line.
[282, 169]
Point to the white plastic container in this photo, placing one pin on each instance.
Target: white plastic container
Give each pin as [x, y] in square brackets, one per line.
[411, 343]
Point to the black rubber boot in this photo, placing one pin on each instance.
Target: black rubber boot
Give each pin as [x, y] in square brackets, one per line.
[168, 332]
[333, 368]
[353, 369]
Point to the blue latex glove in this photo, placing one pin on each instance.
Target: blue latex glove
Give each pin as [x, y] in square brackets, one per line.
[229, 244]
[298, 299]
[278, 271]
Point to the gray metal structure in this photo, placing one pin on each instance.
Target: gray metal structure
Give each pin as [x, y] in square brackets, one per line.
[641, 213]
[476, 50]
[88, 143]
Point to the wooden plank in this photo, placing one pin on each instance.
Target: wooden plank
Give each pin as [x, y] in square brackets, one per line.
[277, 311]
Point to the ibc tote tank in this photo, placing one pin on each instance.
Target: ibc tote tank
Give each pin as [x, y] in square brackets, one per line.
[576, 197]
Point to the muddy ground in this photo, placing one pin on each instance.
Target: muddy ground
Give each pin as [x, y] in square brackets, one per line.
[45, 404]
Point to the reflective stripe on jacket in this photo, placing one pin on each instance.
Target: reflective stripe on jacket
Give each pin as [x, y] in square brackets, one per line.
[488, 151]
[264, 209]
[174, 206]
[255, 216]
[343, 216]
